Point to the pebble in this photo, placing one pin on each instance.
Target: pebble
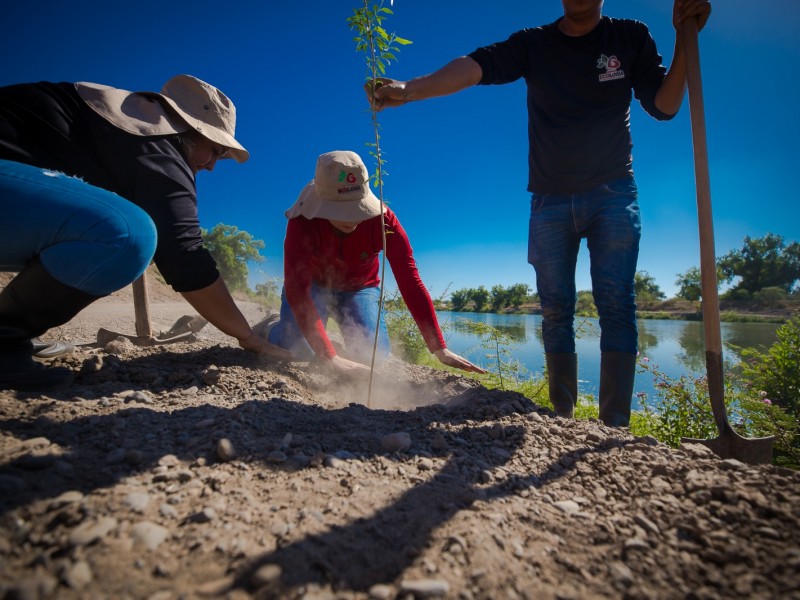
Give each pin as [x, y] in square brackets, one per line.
[33, 443]
[139, 397]
[70, 497]
[167, 511]
[87, 533]
[225, 450]
[396, 442]
[206, 515]
[425, 588]
[646, 524]
[118, 346]
[265, 575]
[137, 501]
[568, 506]
[116, 456]
[212, 375]
[148, 534]
[93, 364]
[276, 456]
[425, 464]
[77, 575]
[381, 591]
[334, 462]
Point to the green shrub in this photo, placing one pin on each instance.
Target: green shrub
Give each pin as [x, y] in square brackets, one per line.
[682, 409]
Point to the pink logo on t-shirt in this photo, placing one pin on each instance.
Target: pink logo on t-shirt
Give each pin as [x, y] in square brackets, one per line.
[612, 65]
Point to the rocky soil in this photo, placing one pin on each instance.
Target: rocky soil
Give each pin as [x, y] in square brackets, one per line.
[196, 470]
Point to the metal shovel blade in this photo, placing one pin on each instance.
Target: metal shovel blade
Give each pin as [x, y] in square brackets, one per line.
[184, 330]
[729, 444]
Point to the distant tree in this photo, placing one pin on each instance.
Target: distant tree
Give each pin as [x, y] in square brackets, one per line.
[771, 296]
[646, 288]
[480, 298]
[689, 284]
[232, 248]
[584, 307]
[762, 263]
[459, 299]
[518, 294]
[499, 297]
[270, 290]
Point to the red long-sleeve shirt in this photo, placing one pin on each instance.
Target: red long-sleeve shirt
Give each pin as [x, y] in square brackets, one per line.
[316, 252]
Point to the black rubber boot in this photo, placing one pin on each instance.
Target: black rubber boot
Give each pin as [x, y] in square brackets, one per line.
[562, 377]
[617, 370]
[30, 304]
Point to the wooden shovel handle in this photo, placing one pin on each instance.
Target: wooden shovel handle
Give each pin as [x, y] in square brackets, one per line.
[141, 307]
[708, 263]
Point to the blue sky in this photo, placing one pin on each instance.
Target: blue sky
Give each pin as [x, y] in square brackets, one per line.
[456, 166]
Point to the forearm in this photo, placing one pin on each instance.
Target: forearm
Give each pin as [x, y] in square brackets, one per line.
[670, 95]
[216, 304]
[455, 76]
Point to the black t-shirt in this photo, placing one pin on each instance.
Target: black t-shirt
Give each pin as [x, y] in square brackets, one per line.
[579, 95]
[48, 125]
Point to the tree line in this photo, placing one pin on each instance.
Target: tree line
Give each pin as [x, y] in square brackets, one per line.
[764, 270]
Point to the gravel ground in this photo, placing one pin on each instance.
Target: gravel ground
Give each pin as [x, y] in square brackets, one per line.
[196, 470]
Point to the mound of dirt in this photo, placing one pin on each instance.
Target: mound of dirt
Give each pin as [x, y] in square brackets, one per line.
[197, 470]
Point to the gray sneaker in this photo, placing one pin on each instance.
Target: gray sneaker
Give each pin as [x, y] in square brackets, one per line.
[48, 350]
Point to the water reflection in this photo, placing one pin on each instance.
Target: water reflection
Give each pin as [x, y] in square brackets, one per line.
[517, 332]
[675, 347]
[647, 340]
[692, 341]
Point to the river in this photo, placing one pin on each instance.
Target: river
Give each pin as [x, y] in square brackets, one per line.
[675, 347]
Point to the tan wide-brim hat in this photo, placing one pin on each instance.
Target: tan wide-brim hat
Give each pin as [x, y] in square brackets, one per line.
[184, 103]
[339, 191]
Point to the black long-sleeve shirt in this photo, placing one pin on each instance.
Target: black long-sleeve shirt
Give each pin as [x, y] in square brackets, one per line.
[579, 96]
[48, 125]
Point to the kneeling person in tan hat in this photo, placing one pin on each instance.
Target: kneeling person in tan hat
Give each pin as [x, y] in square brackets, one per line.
[331, 270]
[96, 181]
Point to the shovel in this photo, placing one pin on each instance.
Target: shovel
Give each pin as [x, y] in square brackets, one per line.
[183, 330]
[729, 444]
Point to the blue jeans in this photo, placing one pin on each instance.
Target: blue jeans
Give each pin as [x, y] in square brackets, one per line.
[608, 217]
[85, 237]
[356, 314]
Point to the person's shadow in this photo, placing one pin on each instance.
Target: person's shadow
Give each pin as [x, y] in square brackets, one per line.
[370, 550]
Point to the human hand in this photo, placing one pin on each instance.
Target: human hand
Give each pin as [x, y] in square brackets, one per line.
[451, 359]
[348, 368]
[259, 345]
[386, 93]
[687, 9]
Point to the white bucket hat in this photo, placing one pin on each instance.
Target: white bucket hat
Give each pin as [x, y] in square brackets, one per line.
[339, 191]
[184, 103]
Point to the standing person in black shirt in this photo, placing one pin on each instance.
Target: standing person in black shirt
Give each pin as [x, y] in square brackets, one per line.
[580, 73]
[94, 183]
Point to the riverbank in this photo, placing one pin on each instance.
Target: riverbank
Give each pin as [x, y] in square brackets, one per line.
[731, 311]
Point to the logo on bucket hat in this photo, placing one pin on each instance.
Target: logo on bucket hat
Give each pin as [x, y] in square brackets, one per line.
[324, 197]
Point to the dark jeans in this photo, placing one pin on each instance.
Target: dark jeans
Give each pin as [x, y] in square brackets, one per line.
[356, 314]
[85, 237]
[608, 217]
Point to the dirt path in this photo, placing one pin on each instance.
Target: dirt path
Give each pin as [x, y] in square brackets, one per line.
[198, 470]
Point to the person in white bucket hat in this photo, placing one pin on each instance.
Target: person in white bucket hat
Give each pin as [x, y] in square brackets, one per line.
[95, 182]
[331, 270]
